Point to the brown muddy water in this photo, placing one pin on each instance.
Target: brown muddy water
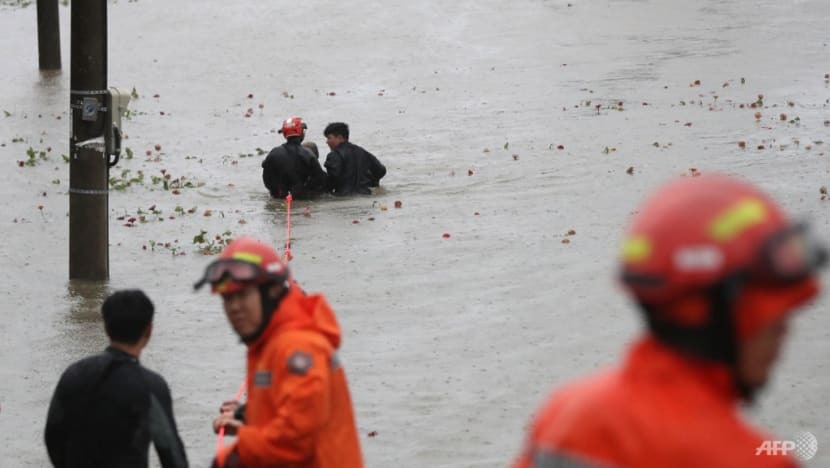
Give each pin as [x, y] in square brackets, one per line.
[486, 117]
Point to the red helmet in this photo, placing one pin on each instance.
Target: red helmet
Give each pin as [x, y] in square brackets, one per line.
[243, 262]
[697, 232]
[293, 126]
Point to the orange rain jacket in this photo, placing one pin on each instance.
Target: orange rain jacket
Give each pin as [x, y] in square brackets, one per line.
[659, 409]
[299, 412]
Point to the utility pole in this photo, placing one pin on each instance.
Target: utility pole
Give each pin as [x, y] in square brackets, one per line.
[88, 165]
[48, 35]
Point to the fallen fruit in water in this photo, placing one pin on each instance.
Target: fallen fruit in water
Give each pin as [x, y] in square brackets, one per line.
[398, 204]
[446, 235]
[783, 116]
[158, 147]
[630, 170]
[470, 172]
[742, 144]
[566, 241]
[757, 116]
[571, 232]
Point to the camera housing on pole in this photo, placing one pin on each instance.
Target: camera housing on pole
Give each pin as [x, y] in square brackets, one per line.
[117, 102]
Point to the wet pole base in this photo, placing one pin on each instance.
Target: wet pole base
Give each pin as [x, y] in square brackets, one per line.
[88, 215]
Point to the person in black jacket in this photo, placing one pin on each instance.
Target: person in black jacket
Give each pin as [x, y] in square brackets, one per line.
[107, 408]
[292, 167]
[351, 169]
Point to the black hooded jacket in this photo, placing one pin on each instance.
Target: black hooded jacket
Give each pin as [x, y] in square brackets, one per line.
[352, 169]
[105, 412]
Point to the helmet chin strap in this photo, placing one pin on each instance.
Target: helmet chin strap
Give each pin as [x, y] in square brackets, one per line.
[714, 341]
[723, 298]
[269, 306]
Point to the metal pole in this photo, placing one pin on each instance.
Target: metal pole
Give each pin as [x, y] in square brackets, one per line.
[48, 35]
[88, 171]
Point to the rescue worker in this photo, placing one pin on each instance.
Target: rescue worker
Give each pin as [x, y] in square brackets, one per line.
[107, 408]
[351, 169]
[292, 166]
[298, 411]
[717, 270]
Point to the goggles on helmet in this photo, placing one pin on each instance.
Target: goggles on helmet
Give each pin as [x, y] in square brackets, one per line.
[236, 270]
[788, 256]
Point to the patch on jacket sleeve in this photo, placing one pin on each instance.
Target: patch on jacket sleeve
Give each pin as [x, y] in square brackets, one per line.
[262, 378]
[299, 363]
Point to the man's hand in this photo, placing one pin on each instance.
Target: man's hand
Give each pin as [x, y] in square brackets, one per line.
[229, 406]
[227, 421]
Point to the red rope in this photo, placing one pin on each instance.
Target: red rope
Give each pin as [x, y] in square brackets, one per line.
[288, 199]
[220, 441]
[221, 438]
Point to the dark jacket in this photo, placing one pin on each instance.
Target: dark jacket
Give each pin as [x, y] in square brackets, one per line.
[352, 169]
[105, 412]
[292, 168]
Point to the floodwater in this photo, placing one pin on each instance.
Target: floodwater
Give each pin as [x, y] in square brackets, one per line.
[485, 116]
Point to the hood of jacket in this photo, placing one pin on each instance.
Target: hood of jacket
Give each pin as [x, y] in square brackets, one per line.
[301, 311]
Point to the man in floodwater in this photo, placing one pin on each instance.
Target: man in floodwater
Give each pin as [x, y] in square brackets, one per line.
[717, 270]
[293, 167]
[351, 169]
[108, 408]
[298, 412]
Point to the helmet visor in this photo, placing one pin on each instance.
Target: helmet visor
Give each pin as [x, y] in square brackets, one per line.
[789, 256]
[236, 270]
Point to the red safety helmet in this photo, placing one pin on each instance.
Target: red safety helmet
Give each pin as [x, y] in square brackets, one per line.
[697, 232]
[243, 262]
[293, 126]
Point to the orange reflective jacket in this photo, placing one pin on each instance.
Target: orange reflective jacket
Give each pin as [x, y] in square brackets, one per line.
[299, 412]
[659, 409]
